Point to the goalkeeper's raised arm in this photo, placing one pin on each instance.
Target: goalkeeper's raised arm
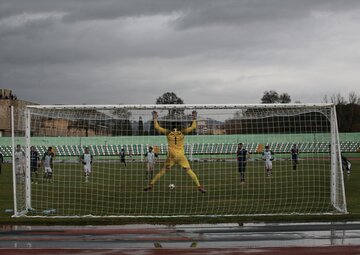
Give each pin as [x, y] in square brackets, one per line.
[157, 125]
[193, 124]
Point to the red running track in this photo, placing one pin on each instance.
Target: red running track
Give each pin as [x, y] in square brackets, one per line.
[264, 239]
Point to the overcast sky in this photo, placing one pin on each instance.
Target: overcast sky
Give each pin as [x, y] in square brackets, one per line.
[206, 51]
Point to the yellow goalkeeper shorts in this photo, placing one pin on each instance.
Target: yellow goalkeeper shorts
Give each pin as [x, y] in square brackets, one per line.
[177, 159]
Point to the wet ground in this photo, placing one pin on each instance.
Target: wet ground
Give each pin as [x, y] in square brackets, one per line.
[299, 238]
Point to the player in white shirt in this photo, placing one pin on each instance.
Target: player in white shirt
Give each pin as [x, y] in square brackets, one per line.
[19, 156]
[86, 159]
[47, 161]
[268, 158]
[150, 158]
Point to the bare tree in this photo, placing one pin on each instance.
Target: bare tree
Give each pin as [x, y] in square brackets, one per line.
[325, 99]
[353, 98]
[348, 113]
[338, 99]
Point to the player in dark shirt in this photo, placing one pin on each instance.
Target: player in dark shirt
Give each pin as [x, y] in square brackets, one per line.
[346, 164]
[122, 156]
[294, 156]
[34, 162]
[242, 156]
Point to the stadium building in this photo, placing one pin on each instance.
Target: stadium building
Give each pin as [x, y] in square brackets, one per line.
[8, 99]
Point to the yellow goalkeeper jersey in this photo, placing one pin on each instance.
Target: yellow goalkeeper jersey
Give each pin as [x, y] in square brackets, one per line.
[175, 138]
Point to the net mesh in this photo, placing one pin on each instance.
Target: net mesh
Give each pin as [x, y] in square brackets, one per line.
[101, 163]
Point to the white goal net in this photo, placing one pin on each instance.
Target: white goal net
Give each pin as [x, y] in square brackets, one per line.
[180, 160]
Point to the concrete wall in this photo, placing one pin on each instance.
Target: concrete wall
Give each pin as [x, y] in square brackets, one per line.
[5, 115]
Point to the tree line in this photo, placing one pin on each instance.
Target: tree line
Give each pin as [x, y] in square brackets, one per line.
[348, 116]
[347, 110]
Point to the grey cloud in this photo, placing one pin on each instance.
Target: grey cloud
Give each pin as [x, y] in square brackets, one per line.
[82, 10]
[241, 12]
[196, 13]
[91, 51]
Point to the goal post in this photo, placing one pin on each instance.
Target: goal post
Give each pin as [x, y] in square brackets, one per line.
[338, 188]
[182, 160]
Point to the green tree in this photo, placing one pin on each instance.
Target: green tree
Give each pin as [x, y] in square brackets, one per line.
[169, 98]
[272, 97]
[284, 98]
[175, 117]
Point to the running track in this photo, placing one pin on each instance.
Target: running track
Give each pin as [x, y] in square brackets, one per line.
[224, 239]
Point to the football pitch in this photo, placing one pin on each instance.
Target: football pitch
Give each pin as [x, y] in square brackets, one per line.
[116, 190]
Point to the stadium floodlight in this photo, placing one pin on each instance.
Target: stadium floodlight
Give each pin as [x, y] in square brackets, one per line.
[118, 160]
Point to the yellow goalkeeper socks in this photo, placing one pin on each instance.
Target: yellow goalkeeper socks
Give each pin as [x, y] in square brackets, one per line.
[194, 177]
[158, 176]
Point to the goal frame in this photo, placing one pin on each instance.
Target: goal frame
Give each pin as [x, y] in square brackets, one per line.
[335, 151]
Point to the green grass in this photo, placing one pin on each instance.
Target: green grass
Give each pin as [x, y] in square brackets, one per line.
[114, 190]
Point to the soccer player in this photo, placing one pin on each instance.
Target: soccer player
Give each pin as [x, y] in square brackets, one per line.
[87, 159]
[268, 158]
[34, 160]
[242, 156]
[47, 160]
[346, 164]
[294, 156]
[122, 156]
[19, 163]
[176, 153]
[150, 157]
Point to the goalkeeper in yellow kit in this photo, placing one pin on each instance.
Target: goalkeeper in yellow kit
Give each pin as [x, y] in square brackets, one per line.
[176, 153]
